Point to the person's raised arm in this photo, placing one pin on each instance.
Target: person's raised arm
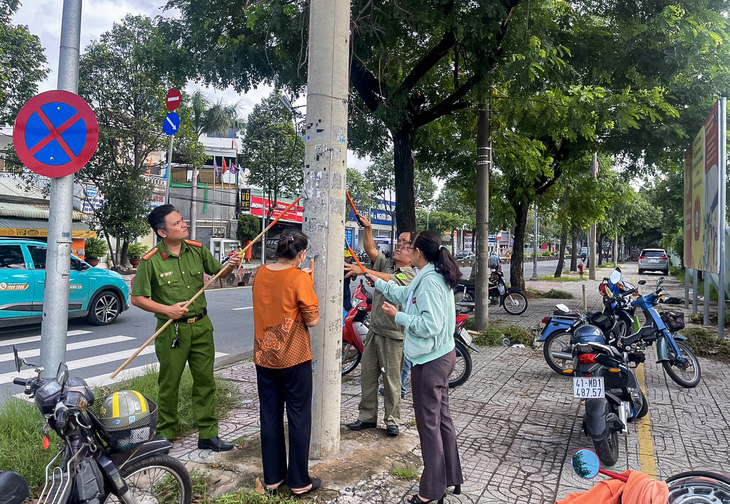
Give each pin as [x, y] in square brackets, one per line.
[368, 242]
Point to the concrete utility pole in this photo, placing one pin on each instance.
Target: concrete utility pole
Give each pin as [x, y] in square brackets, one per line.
[535, 244]
[58, 255]
[484, 161]
[593, 233]
[325, 168]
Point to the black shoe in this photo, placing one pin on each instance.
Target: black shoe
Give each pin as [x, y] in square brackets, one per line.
[391, 430]
[214, 444]
[360, 425]
[457, 490]
[316, 483]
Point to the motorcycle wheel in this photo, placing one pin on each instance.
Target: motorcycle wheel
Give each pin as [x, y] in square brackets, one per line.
[515, 303]
[697, 486]
[687, 376]
[463, 297]
[159, 478]
[350, 357]
[558, 342]
[462, 369]
[607, 449]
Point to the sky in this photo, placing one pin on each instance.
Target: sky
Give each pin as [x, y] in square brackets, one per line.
[43, 18]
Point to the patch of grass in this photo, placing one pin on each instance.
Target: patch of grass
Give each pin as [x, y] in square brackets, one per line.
[200, 481]
[227, 396]
[21, 435]
[406, 472]
[499, 336]
[249, 496]
[557, 294]
[567, 277]
[705, 343]
[411, 423]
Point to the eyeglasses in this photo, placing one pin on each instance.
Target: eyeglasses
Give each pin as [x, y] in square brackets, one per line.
[404, 242]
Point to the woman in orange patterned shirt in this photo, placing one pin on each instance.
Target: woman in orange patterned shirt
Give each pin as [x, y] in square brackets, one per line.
[284, 308]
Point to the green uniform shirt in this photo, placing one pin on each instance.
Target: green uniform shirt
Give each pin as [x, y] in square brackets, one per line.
[168, 278]
[380, 323]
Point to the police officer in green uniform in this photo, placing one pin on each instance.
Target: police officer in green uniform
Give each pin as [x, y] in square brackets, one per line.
[383, 352]
[168, 276]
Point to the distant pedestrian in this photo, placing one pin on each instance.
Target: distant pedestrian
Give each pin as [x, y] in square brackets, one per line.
[284, 308]
[428, 319]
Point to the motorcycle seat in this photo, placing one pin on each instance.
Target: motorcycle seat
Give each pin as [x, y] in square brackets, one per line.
[467, 283]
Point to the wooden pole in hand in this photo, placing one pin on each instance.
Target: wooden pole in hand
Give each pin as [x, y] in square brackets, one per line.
[224, 272]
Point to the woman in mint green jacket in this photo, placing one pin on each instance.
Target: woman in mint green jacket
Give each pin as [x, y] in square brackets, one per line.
[428, 319]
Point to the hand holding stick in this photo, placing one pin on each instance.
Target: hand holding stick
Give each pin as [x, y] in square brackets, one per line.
[223, 272]
[370, 282]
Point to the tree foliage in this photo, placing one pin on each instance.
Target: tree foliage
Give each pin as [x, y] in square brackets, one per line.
[22, 63]
[273, 153]
[118, 77]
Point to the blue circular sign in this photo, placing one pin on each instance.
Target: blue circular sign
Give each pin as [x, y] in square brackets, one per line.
[171, 123]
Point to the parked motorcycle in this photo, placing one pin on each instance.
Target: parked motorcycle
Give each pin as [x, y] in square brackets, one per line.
[108, 456]
[679, 362]
[462, 345]
[603, 379]
[355, 327]
[511, 298]
[616, 321]
[693, 487]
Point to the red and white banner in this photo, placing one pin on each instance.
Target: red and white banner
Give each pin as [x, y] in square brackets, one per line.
[296, 214]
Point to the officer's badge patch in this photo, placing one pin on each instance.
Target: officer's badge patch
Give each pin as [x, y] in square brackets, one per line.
[166, 274]
[401, 276]
[149, 253]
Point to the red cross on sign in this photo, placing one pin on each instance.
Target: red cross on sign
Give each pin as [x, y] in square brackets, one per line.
[55, 133]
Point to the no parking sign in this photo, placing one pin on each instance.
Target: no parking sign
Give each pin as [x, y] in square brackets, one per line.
[55, 133]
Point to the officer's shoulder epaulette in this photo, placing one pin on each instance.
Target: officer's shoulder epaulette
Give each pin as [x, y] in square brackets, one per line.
[150, 253]
[194, 243]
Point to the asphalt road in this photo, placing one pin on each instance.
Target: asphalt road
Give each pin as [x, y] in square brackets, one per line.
[94, 352]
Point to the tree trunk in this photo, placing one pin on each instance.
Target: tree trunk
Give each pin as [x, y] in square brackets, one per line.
[599, 247]
[574, 249]
[516, 273]
[405, 210]
[561, 254]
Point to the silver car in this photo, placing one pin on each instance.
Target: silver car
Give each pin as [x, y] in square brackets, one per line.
[654, 260]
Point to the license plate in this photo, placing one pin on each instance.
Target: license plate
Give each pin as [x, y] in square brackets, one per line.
[588, 388]
[653, 260]
[465, 336]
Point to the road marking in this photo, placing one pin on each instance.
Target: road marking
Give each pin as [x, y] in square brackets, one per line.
[32, 339]
[243, 308]
[75, 365]
[647, 460]
[71, 346]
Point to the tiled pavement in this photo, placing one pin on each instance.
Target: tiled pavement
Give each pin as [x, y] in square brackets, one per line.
[517, 425]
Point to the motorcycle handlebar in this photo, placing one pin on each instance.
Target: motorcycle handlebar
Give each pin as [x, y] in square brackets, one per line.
[20, 381]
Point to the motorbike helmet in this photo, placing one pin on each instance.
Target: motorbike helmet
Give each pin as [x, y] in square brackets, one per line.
[123, 408]
[588, 334]
[128, 419]
[494, 261]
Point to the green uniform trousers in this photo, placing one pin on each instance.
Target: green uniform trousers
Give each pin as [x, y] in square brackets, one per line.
[197, 349]
[384, 356]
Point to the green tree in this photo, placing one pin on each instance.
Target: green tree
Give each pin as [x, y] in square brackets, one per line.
[382, 181]
[273, 153]
[413, 62]
[248, 227]
[22, 62]
[360, 189]
[118, 78]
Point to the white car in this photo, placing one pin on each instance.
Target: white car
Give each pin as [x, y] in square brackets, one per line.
[465, 255]
[654, 260]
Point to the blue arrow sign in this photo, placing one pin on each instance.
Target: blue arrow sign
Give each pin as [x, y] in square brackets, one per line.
[171, 123]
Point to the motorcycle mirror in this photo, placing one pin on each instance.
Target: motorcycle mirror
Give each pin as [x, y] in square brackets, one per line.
[562, 307]
[660, 281]
[615, 276]
[18, 362]
[642, 282]
[62, 374]
[586, 463]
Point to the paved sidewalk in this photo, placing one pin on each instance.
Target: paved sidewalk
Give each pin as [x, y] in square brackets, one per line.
[517, 424]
